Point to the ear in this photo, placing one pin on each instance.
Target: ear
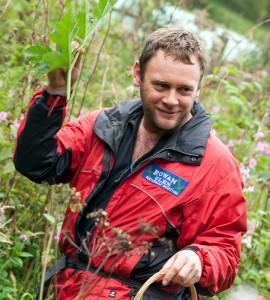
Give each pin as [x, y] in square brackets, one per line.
[136, 74]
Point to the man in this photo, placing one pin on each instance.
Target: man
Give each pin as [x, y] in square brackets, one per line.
[148, 163]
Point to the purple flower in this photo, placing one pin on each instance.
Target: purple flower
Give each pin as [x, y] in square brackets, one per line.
[215, 109]
[230, 143]
[23, 238]
[251, 227]
[3, 116]
[57, 235]
[252, 163]
[263, 147]
[16, 124]
[258, 135]
[245, 172]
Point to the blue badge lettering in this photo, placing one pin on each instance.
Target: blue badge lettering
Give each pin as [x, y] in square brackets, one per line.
[165, 179]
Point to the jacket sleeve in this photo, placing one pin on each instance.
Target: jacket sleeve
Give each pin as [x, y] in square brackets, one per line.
[46, 150]
[218, 244]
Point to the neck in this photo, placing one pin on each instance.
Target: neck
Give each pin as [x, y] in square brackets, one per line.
[149, 134]
[145, 141]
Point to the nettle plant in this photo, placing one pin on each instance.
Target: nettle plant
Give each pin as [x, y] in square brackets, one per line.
[77, 25]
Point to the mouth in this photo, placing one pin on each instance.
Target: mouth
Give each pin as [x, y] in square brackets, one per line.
[168, 113]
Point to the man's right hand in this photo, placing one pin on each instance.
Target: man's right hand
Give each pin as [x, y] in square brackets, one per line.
[57, 79]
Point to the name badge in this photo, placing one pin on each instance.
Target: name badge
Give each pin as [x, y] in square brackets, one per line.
[165, 179]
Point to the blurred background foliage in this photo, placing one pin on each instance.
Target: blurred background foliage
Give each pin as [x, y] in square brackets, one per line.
[235, 91]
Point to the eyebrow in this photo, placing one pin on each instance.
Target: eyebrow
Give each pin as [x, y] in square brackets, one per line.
[156, 81]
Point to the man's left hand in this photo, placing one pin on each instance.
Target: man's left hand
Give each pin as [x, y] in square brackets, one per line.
[183, 268]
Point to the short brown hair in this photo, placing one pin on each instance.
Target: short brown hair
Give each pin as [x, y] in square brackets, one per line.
[176, 42]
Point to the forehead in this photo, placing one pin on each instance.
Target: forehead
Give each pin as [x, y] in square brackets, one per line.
[167, 68]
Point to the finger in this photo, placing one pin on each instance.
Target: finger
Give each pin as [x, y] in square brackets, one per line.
[185, 275]
[190, 281]
[189, 274]
[168, 264]
[173, 270]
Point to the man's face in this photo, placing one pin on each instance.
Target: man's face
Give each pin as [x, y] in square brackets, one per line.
[168, 90]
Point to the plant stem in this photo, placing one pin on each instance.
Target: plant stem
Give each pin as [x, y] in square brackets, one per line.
[95, 66]
[75, 88]
[45, 262]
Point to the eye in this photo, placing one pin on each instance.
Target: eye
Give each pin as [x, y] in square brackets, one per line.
[185, 90]
[161, 86]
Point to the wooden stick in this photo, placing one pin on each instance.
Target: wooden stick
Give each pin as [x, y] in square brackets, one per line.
[155, 277]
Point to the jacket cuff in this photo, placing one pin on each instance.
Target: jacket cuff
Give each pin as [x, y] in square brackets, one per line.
[53, 101]
[201, 290]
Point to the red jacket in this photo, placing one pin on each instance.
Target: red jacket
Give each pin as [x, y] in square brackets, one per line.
[193, 184]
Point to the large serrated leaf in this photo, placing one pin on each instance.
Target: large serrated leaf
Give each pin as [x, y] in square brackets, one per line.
[36, 52]
[75, 25]
[83, 19]
[102, 8]
[64, 32]
[56, 60]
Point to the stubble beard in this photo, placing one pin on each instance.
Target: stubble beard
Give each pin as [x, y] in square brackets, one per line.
[150, 123]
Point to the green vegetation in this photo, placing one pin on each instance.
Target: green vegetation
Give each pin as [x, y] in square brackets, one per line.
[240, 16]
[236, 94]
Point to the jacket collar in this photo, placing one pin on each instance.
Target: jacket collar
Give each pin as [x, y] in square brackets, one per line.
[187, 144]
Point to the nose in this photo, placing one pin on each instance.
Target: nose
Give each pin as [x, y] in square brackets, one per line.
[171, 99]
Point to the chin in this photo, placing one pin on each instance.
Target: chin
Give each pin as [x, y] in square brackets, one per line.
[166, 127]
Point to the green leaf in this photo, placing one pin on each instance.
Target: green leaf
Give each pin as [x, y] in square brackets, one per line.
[8, 167]
[16, 262]
[1, 134]
[230, 88]
[55, 60]
[83, 21]
[233, 70]
[50, 218]
[258, 86]
[213, 78]
[236, 101]
[43, 69]
[265, 175]
[35, 53]
[99, 8]
[64, 33]
[26, 254]
[4, 239]
[100, 11]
